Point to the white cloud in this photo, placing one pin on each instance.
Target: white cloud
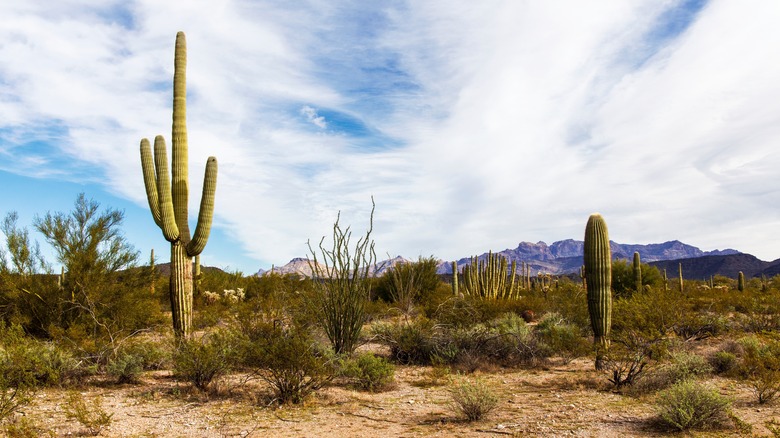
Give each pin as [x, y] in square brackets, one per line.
[480, 124]
[312, 116]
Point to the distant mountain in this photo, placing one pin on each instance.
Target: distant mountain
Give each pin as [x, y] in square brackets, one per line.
[300, 266]
[565, 256]
[701, 268]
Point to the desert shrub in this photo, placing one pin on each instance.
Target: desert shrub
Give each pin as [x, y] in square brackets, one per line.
[46, 362]
[25, 427]
[202, 361]
[93, 417]
[457, 312]
[558, 338]
[369, 372]
[410, 342]
[697, 326]
[125, 367]
[473, 399]
[760, 366]
[153, 354]
[723, 362]
[628, 359]
[289, 360]
[408, 283]
[682, 366]
[511, 340]
[651, 315]
[689, 405]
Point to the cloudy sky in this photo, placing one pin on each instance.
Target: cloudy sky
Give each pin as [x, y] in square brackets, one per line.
[474, 125]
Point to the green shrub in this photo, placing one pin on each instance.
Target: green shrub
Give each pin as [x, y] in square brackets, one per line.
[473, 399]
[760, 366]
[25, 427]
[290, 361]
[689, 405]
[723, 362]
[125, 368]
[682, 366]
[369, 372]
[409, 342]
[93, 417]
[558, 338]
[202, 361]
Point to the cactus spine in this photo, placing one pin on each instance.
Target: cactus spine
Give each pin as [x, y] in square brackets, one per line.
[168, 197]
[598, 272]
[741, 282]
[637, 272]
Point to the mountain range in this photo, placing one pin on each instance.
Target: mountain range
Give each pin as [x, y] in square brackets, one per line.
[565, 257]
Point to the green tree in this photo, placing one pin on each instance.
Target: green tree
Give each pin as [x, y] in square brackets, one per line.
[623, 280]
[103, 297]
[408, 283]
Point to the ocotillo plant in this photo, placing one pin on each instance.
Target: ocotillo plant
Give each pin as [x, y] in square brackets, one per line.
[741, 282]
[168, 197]
[598, 272]
[487, 279]
[637, 272]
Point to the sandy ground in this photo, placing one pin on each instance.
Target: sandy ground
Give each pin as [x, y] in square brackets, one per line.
[558, 400]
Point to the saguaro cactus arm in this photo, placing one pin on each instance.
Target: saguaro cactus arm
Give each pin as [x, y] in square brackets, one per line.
[206, 213]
[150, 181]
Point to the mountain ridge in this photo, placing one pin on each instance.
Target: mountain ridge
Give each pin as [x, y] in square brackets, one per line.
[565, 257]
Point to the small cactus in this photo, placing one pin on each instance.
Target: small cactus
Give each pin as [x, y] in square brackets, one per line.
[741, 282]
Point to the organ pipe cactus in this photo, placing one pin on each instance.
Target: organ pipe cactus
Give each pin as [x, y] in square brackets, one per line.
[637, 272]
[598, 273]
[168, 197]
[487, 278]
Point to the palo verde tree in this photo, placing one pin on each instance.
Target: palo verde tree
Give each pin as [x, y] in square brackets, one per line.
[168, 197]
[102, 294]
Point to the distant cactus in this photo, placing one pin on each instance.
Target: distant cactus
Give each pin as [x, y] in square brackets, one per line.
[637, 272]
[682, 284]
[666, 282]
[598, 273]
[741, 282]
[455, 278]
[168, 197]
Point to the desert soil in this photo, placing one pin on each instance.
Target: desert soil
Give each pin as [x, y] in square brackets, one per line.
[557, 400]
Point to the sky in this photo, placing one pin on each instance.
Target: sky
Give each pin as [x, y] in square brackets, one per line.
[473, 125]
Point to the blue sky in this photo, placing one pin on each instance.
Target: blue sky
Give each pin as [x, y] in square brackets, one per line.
[474, 125]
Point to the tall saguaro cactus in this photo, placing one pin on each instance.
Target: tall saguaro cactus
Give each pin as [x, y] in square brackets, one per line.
[168, 197]
[598, 272]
